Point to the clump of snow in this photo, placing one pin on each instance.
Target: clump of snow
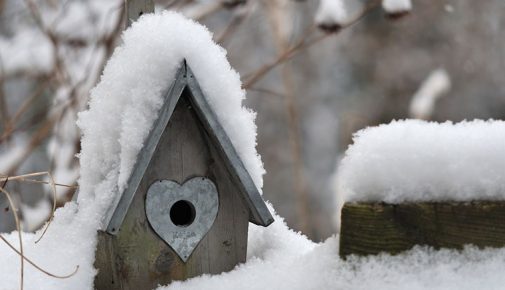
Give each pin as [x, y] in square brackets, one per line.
[396, 6]
[435, 86]
[415, 160]
[331, 14]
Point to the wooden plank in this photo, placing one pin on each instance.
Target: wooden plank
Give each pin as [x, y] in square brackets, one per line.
[371, 228]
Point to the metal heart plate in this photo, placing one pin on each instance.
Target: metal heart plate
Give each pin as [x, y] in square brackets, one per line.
[182, 214]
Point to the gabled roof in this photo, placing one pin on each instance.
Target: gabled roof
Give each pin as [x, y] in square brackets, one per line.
[185, 79]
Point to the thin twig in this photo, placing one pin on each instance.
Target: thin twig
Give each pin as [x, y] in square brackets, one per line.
[9, 127]
[303, 44]
[40, 181]
[237, 19]
[53, 189]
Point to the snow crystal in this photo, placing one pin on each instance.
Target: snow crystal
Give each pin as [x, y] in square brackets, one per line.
[435, 86]
[415, 160]
[396, 6]
[331, 13]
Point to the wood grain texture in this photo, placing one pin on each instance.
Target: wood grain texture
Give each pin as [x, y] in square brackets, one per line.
[371, 228]
[136, 258]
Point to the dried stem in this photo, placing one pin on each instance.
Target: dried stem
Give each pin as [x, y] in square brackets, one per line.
[53, 189]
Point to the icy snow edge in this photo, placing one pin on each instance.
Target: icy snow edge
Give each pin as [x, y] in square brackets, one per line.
[414, 160]
[125, 104]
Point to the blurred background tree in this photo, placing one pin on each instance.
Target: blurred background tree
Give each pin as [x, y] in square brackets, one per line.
[311, 89]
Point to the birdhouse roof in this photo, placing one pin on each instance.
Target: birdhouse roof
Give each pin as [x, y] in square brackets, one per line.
[186, 80]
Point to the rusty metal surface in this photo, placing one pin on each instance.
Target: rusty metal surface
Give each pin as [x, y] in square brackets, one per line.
[162, 195]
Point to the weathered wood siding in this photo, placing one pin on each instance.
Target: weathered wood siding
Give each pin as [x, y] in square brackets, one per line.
[371, 228]
[137, 258]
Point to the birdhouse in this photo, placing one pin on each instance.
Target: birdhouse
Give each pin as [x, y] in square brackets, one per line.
[188, 203]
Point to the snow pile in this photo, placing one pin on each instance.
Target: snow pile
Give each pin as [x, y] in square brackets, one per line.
[435, 86]
[394, 7]
[415, 160]
[331, 14]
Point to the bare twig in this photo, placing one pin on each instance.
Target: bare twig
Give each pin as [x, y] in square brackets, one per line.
[302, 44]
[40, 181]
[53, 189]
[9, 125]
[237, 19]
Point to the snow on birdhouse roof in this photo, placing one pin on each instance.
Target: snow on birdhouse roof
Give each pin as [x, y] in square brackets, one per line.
[185, 79]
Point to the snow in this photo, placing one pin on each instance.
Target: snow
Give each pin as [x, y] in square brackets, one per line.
[331, 13]
[320, 268]
[435, 86]
[34, 217]
[396, 6]
[413, 160]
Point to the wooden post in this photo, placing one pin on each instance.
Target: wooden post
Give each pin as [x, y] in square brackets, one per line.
[135, 9]
[371, 228]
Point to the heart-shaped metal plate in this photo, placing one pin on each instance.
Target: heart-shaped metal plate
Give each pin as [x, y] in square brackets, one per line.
[182, 214]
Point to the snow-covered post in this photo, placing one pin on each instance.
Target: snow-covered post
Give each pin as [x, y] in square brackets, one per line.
[423, 183]
[135, 9]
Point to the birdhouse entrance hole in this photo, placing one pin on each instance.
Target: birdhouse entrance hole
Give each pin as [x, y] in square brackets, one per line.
[182, 213]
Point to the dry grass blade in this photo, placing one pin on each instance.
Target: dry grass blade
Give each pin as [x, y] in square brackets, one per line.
[14, 212]
[39, 181]
[37, 266]
[53, 189]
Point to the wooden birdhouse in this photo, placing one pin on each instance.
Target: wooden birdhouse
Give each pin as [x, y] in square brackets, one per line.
[189, 199]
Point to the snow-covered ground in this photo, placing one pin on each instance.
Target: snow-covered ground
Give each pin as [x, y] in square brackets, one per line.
[118, 121]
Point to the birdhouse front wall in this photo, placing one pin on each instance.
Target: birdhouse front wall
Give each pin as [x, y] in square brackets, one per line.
[137, 258]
